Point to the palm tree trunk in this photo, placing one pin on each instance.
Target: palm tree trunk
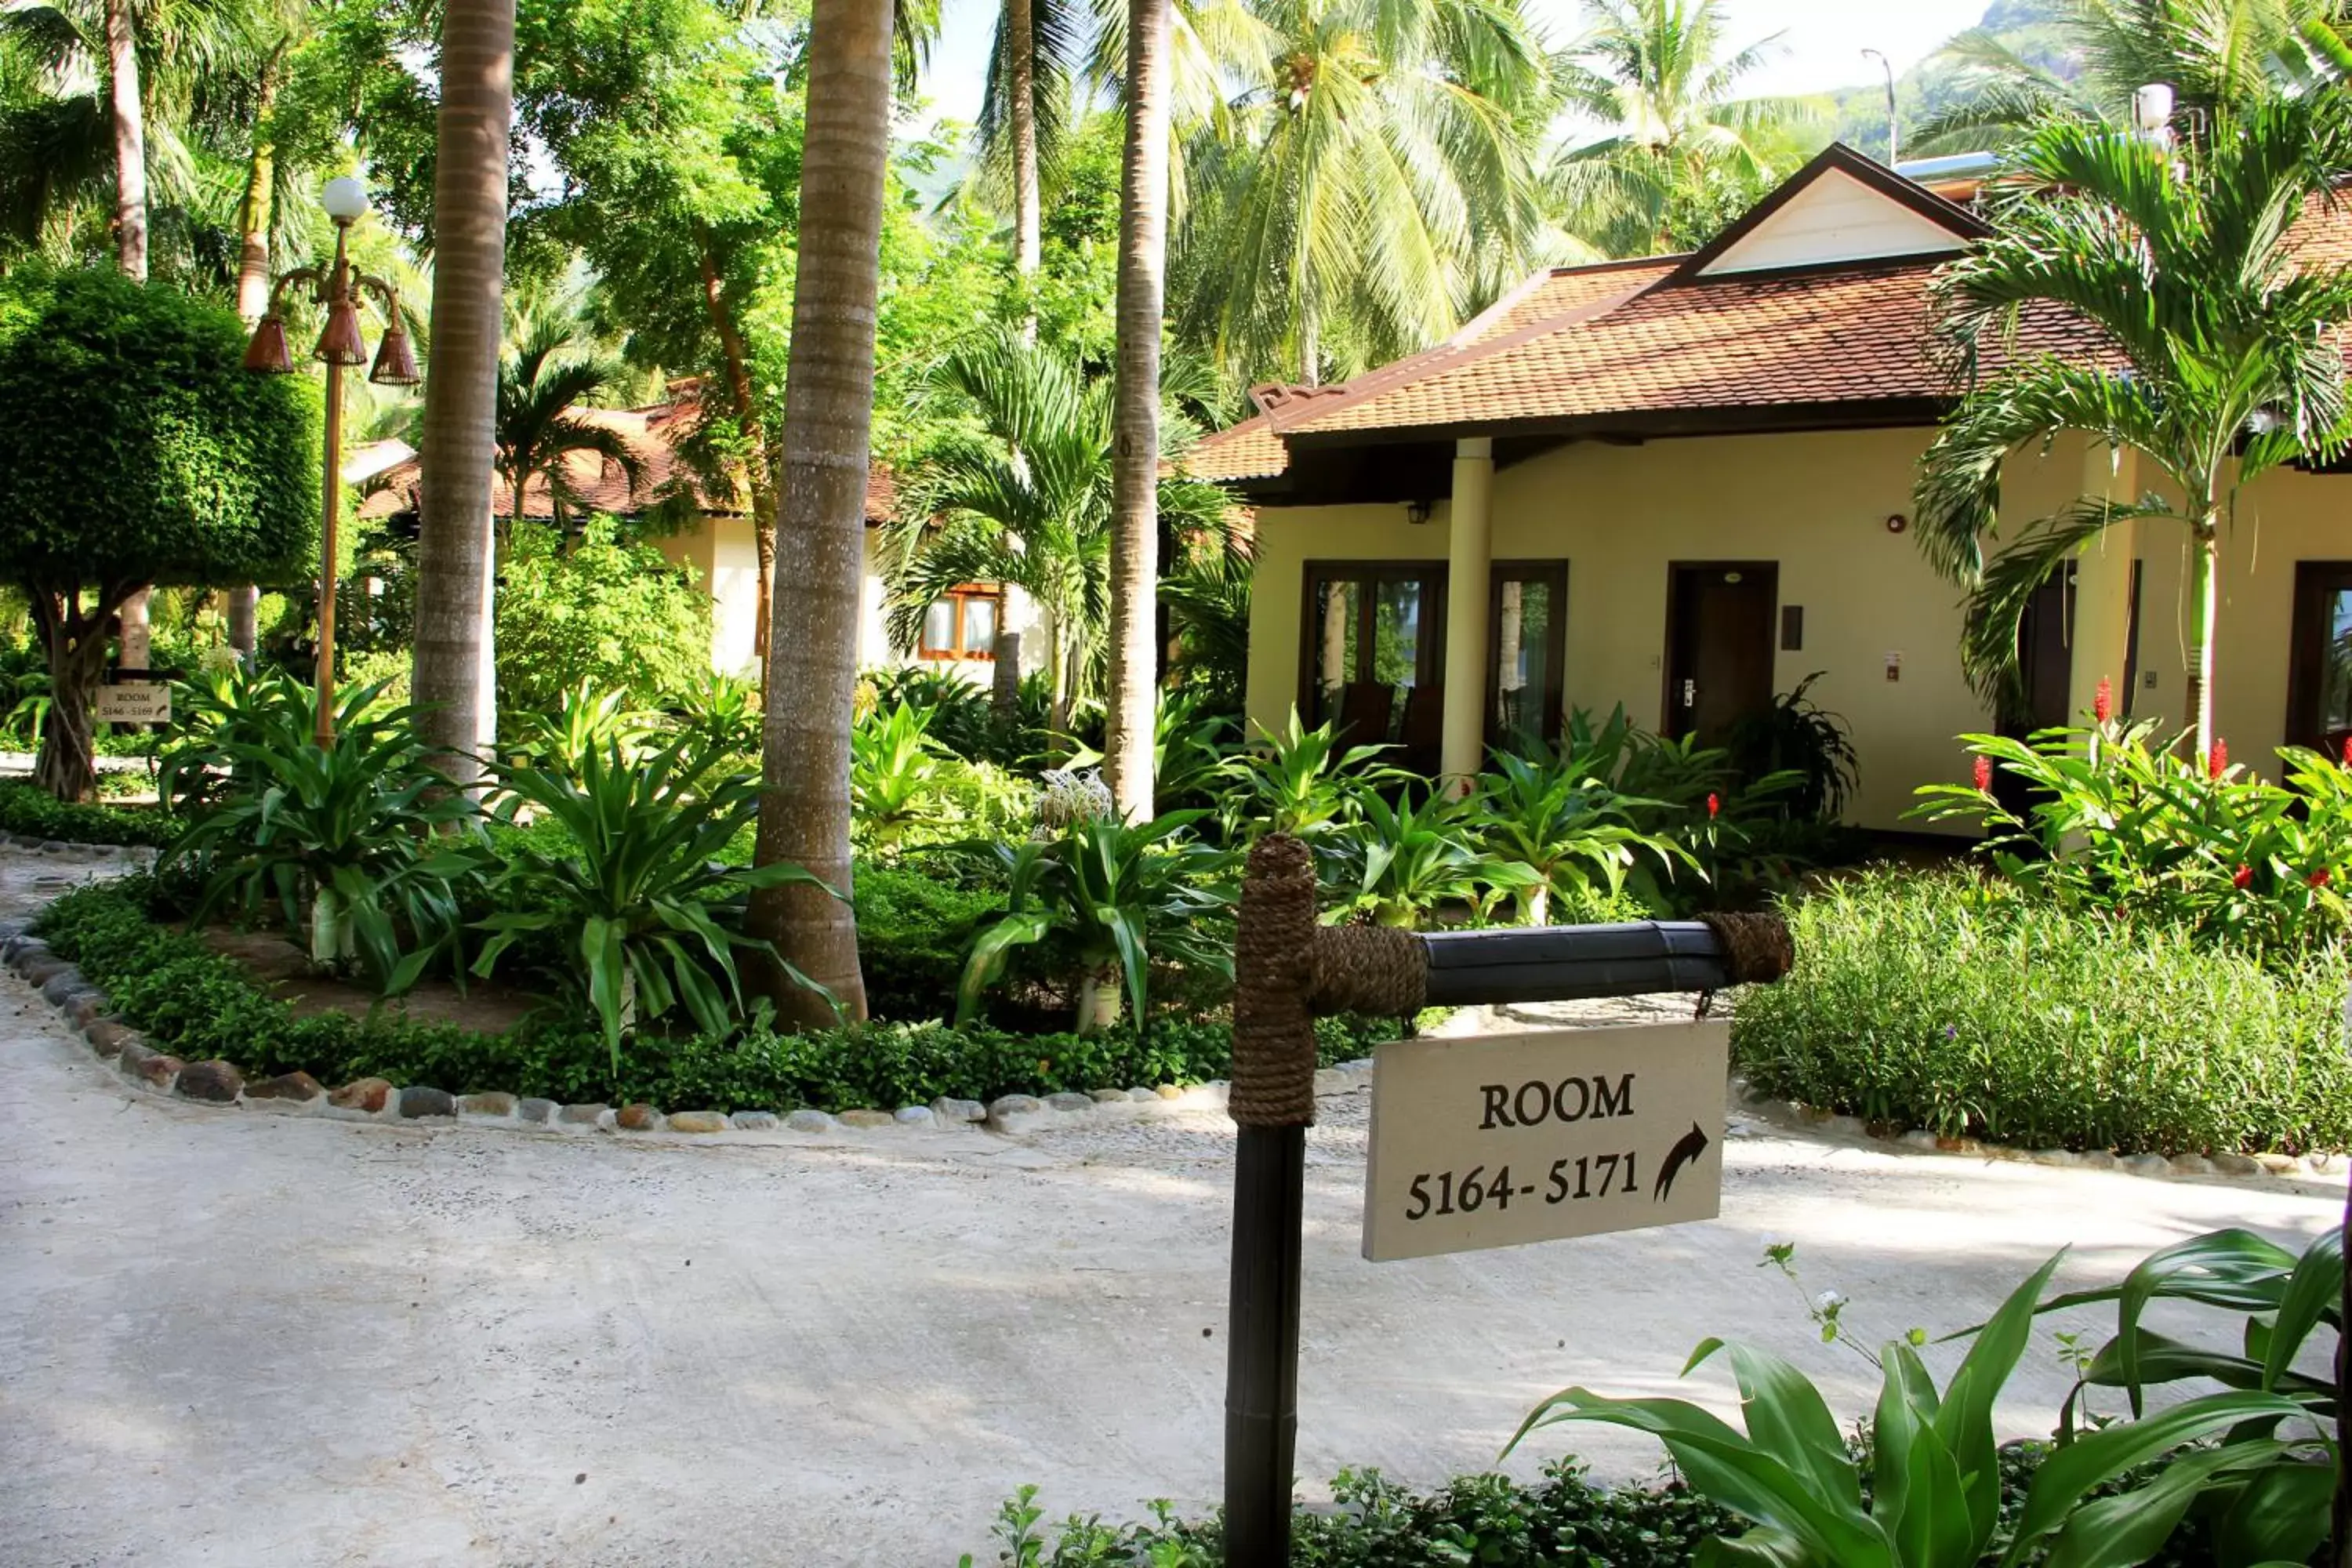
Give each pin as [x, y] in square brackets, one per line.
[1021, 46]
[1310, 335]
[1135, 416]
[2204, 609]
[1057, 703]
[821, 509]
[130, 143]
[454, 563]
[760, 475]
[253, 215]
[254, 212]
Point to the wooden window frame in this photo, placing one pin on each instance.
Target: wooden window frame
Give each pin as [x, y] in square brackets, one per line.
[1428, 658]
[961, 596]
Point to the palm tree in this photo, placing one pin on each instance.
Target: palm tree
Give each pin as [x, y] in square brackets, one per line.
[458, 448]
[1025, 110]
[1379, 181]
[821, 509]
[2213, 54]
[1132, 720]
[1680, 149]
[2222, 358]
[1024, 499]
[542, 381]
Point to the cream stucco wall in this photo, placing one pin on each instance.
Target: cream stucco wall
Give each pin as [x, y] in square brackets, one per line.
[1817, 504]
[727, 567]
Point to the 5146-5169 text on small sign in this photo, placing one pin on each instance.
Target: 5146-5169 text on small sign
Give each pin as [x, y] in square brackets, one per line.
[1510, 1139]
[133, 702]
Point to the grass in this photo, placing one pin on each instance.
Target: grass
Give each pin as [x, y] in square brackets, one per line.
[1953, 1002]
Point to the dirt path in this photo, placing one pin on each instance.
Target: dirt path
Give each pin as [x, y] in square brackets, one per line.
[228, 1338]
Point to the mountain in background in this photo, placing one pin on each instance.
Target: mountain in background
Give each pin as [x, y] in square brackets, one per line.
[2032, 28]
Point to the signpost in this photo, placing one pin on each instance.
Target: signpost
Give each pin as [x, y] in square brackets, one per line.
[1539, 1137]
[1475, 1143]
[133, 702]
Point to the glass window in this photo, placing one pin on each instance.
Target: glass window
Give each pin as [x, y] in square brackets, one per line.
[1526, 642]
[1372, 638]
[2319, 669]
[940, 630]
[980, 624]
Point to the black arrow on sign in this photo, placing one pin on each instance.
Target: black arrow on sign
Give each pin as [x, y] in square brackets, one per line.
[1692, 1144]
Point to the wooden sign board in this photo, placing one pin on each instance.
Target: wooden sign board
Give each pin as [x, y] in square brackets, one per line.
[134, 703]
[1509, 1138]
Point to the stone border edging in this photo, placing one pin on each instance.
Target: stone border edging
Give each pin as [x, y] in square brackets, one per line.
[63, 985]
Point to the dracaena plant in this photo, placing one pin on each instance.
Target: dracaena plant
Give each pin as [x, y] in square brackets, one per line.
[722, 711]
[587, 721]
[363, 839]
[2117, 819]
[645, 915]
[1301, 782]
[896, 775]
[1123, 895]
[1928, 1493]
[1397, 863]
[1571, 834]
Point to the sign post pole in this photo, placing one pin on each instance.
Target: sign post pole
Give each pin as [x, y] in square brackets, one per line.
[1287, 969]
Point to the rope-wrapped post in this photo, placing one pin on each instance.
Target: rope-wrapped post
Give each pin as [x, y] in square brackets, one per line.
[1272, 1099]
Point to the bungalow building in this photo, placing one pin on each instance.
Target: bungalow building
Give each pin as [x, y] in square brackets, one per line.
[710, 532]
[1682, 484]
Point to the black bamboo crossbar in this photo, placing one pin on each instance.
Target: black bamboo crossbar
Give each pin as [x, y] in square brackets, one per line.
[1561, 963]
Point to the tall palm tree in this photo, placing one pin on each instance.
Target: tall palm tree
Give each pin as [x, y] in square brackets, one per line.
[2224, 359]
[1380, 150]
[1021, 492]
[542, 381]
[1132, 719]
[821, 507]
[1025, 111]
[2213, 54]
[458, 448]
[1680, 146]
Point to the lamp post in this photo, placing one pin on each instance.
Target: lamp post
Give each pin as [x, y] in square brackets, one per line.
[339, 289]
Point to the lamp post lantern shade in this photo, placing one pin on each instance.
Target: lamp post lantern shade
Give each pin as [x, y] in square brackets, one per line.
[338, 288]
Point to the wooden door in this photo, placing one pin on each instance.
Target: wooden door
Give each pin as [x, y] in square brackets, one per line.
[1719, 619]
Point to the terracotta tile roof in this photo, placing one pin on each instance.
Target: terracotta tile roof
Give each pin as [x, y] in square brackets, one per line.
[1629, 339]
[601, 486]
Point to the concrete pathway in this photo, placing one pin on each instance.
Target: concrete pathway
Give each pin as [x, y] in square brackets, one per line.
[228, 1338]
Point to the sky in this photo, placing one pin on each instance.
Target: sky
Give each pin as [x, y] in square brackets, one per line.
[1821, 41]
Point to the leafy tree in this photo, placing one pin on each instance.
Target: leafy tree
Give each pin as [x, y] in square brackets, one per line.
[137, 450]
[2221, 358]
[1380, 182]
[1024, 497]
[1680, 152]
[826, 439]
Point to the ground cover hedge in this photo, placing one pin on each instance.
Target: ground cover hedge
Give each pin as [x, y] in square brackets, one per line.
[1954, 1002]
[36, 814]
[197, 1005]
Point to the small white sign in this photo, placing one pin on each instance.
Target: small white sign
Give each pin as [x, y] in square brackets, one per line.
[134, 703]
[1509, 1138]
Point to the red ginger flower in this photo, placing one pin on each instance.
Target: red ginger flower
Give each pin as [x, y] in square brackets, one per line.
[1984, 774]
[2241, 876]
[2348, 751]
[2103, 706]
[2218, 763]
[2320, 878]
[1714, 802]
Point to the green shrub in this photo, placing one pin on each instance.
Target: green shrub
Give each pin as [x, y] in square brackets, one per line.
[34, 813]
[621, 616]
[1955, 1002]
[914, 928]
[197, 1005]
[1559, 1520]
[2119, 820]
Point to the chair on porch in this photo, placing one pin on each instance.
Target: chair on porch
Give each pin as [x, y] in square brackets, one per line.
[1365, 710]
[1423, 735]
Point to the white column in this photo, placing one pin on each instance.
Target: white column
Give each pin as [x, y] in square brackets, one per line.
[1468, 557]
[2103, 578]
